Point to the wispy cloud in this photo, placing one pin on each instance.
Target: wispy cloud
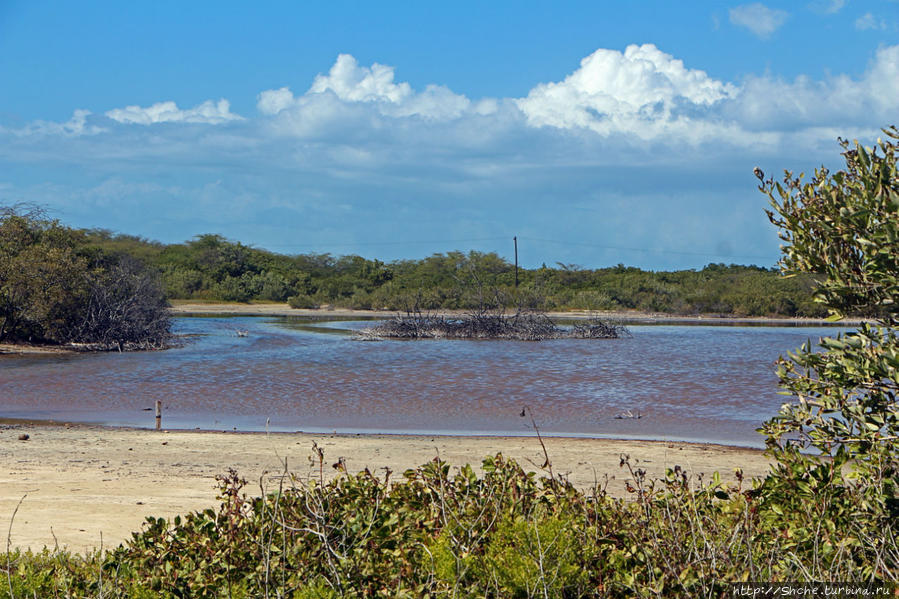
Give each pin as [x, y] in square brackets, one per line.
[77, 125]
[168, 112]
[758, 18]
[869, 21]
[771, 104]
[828, 7]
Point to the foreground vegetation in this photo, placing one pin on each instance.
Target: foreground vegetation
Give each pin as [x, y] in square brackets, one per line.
[506, 533]
[827, 511]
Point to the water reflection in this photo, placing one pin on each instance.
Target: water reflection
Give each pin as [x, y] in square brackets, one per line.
[705, 383]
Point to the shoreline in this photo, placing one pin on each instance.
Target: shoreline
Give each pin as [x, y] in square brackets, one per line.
[192, 308]
[20, 422]
[82, 481]
[212, 309]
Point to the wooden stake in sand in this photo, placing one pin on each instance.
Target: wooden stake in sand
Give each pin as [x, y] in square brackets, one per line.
[158, 414]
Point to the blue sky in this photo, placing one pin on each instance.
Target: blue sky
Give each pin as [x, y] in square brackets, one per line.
[597, 132]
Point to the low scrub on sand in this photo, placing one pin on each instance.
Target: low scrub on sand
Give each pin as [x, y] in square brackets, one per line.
[504, 533]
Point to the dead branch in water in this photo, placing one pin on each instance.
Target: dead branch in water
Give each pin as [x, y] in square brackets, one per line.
[488, 324]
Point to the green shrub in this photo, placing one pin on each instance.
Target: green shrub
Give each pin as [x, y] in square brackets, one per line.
[536, 555]
[504, 533]
[301, 301]
[588, 299]
[835, 488]
[56, 288]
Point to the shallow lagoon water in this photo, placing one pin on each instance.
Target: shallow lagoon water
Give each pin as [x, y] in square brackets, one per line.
[691, 383]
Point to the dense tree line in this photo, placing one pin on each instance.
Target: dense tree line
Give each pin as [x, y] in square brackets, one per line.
[57, 287]
[210, 267]
[116, 284]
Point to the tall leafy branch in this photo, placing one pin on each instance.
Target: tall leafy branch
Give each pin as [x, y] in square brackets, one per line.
[838, 440]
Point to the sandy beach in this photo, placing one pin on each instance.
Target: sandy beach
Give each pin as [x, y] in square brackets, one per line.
[84, 485]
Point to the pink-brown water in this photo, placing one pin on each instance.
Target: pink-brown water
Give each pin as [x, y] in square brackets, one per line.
[698, 383]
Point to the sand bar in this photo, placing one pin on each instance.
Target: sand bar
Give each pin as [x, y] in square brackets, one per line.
[82, 481]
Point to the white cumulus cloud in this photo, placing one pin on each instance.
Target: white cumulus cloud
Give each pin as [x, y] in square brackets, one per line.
[758, 18]
[273, 101]
[619, 99]
[638, 94]
[641, 91]
[351, 83]
[208, 112]
[839, 100]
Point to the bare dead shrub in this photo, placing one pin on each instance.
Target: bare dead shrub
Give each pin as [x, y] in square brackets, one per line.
[523, 325]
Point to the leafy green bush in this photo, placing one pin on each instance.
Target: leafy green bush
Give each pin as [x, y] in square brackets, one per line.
[301, 301]
[56, 288]
[505, 533]
[836, 484]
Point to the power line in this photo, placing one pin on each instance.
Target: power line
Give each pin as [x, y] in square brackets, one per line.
[388, 243]
[432, 242]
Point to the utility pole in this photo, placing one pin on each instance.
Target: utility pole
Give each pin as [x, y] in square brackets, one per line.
[515, 239]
